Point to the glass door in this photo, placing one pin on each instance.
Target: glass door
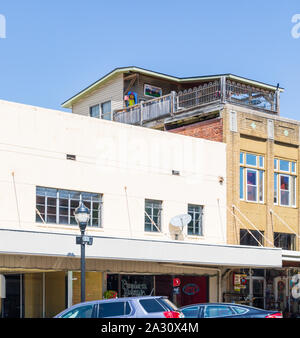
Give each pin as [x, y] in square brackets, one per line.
[12, 305]
[258, 292]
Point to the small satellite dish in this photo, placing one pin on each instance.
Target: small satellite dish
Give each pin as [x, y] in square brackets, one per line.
[181, 221]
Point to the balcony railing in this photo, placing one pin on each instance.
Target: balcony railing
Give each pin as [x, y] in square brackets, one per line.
[208, 93]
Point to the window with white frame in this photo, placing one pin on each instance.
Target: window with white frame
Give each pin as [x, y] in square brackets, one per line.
[285, 182]
[195, 227]
[57, 206]
[252, 173]
[102, 111]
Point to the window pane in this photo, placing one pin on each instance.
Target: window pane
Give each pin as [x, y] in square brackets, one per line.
[40, 200]
[40, 191]
[63, 220]
[152, 305]
[275, 164]
[251, 159]
[240, 310]
[191, 312]
[214, 311]
[261, 186]
[106, 110]
[242, 183]
[113, 309]
[250, 239]
[284, 182]
[195, 225]
[293, 190]
[251, 193]
[95, 111]
[284, 241]
[284, 197]
[251, 185]
[293, 165]
[275, 188]
[241, 158]
[152, 214]
[284, 165]
[261, 161]
[251, 177]
[80, 312]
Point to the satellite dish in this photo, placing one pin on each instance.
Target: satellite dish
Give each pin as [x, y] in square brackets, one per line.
[181, 221]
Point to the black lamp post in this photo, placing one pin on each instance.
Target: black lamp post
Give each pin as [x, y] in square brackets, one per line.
[82, 216]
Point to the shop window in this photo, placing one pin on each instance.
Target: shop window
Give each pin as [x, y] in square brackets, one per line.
[153, 215]
[195, 226]
[251, 237]
[284, 241]
[57, 206]
[285, 183]
[252, 177]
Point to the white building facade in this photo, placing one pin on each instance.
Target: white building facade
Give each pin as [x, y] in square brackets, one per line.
[134, 180]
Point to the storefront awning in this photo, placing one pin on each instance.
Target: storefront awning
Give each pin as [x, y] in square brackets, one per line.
[112, 248]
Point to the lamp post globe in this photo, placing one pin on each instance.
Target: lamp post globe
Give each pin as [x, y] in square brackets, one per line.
[82, 216]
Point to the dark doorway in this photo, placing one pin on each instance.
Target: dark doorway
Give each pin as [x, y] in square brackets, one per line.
[12, 305]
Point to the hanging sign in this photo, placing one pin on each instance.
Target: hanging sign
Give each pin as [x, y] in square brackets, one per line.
[239, 281]
[176, 282]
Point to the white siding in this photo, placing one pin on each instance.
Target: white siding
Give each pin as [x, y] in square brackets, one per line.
[112, 91]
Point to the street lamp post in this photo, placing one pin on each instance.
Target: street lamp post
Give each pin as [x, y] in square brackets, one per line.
[82, 216]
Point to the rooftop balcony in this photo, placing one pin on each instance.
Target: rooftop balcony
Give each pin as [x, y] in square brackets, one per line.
[216, 92]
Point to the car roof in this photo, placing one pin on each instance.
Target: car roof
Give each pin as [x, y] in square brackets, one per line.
[228, 304]
[121, 298]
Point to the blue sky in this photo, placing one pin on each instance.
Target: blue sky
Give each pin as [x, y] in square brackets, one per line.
[53, 49]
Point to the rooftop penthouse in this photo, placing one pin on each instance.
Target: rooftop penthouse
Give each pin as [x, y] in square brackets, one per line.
[138, 96]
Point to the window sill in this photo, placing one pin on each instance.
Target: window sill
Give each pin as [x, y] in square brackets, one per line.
[195, 236]
[157, 234]
[253, 202]
[285, 206]
[67, 227]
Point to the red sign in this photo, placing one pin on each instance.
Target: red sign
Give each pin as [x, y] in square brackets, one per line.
[176, 282]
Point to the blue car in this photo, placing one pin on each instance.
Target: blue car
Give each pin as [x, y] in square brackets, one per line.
[131, 307]
[226, 310]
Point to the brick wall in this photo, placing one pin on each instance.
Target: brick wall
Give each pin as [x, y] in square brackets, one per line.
[209, 129]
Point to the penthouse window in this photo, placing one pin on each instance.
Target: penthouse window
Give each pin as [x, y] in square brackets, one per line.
[57, 206]
[252, 171]
[153, 215]
[285, 183]
[102, 111]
